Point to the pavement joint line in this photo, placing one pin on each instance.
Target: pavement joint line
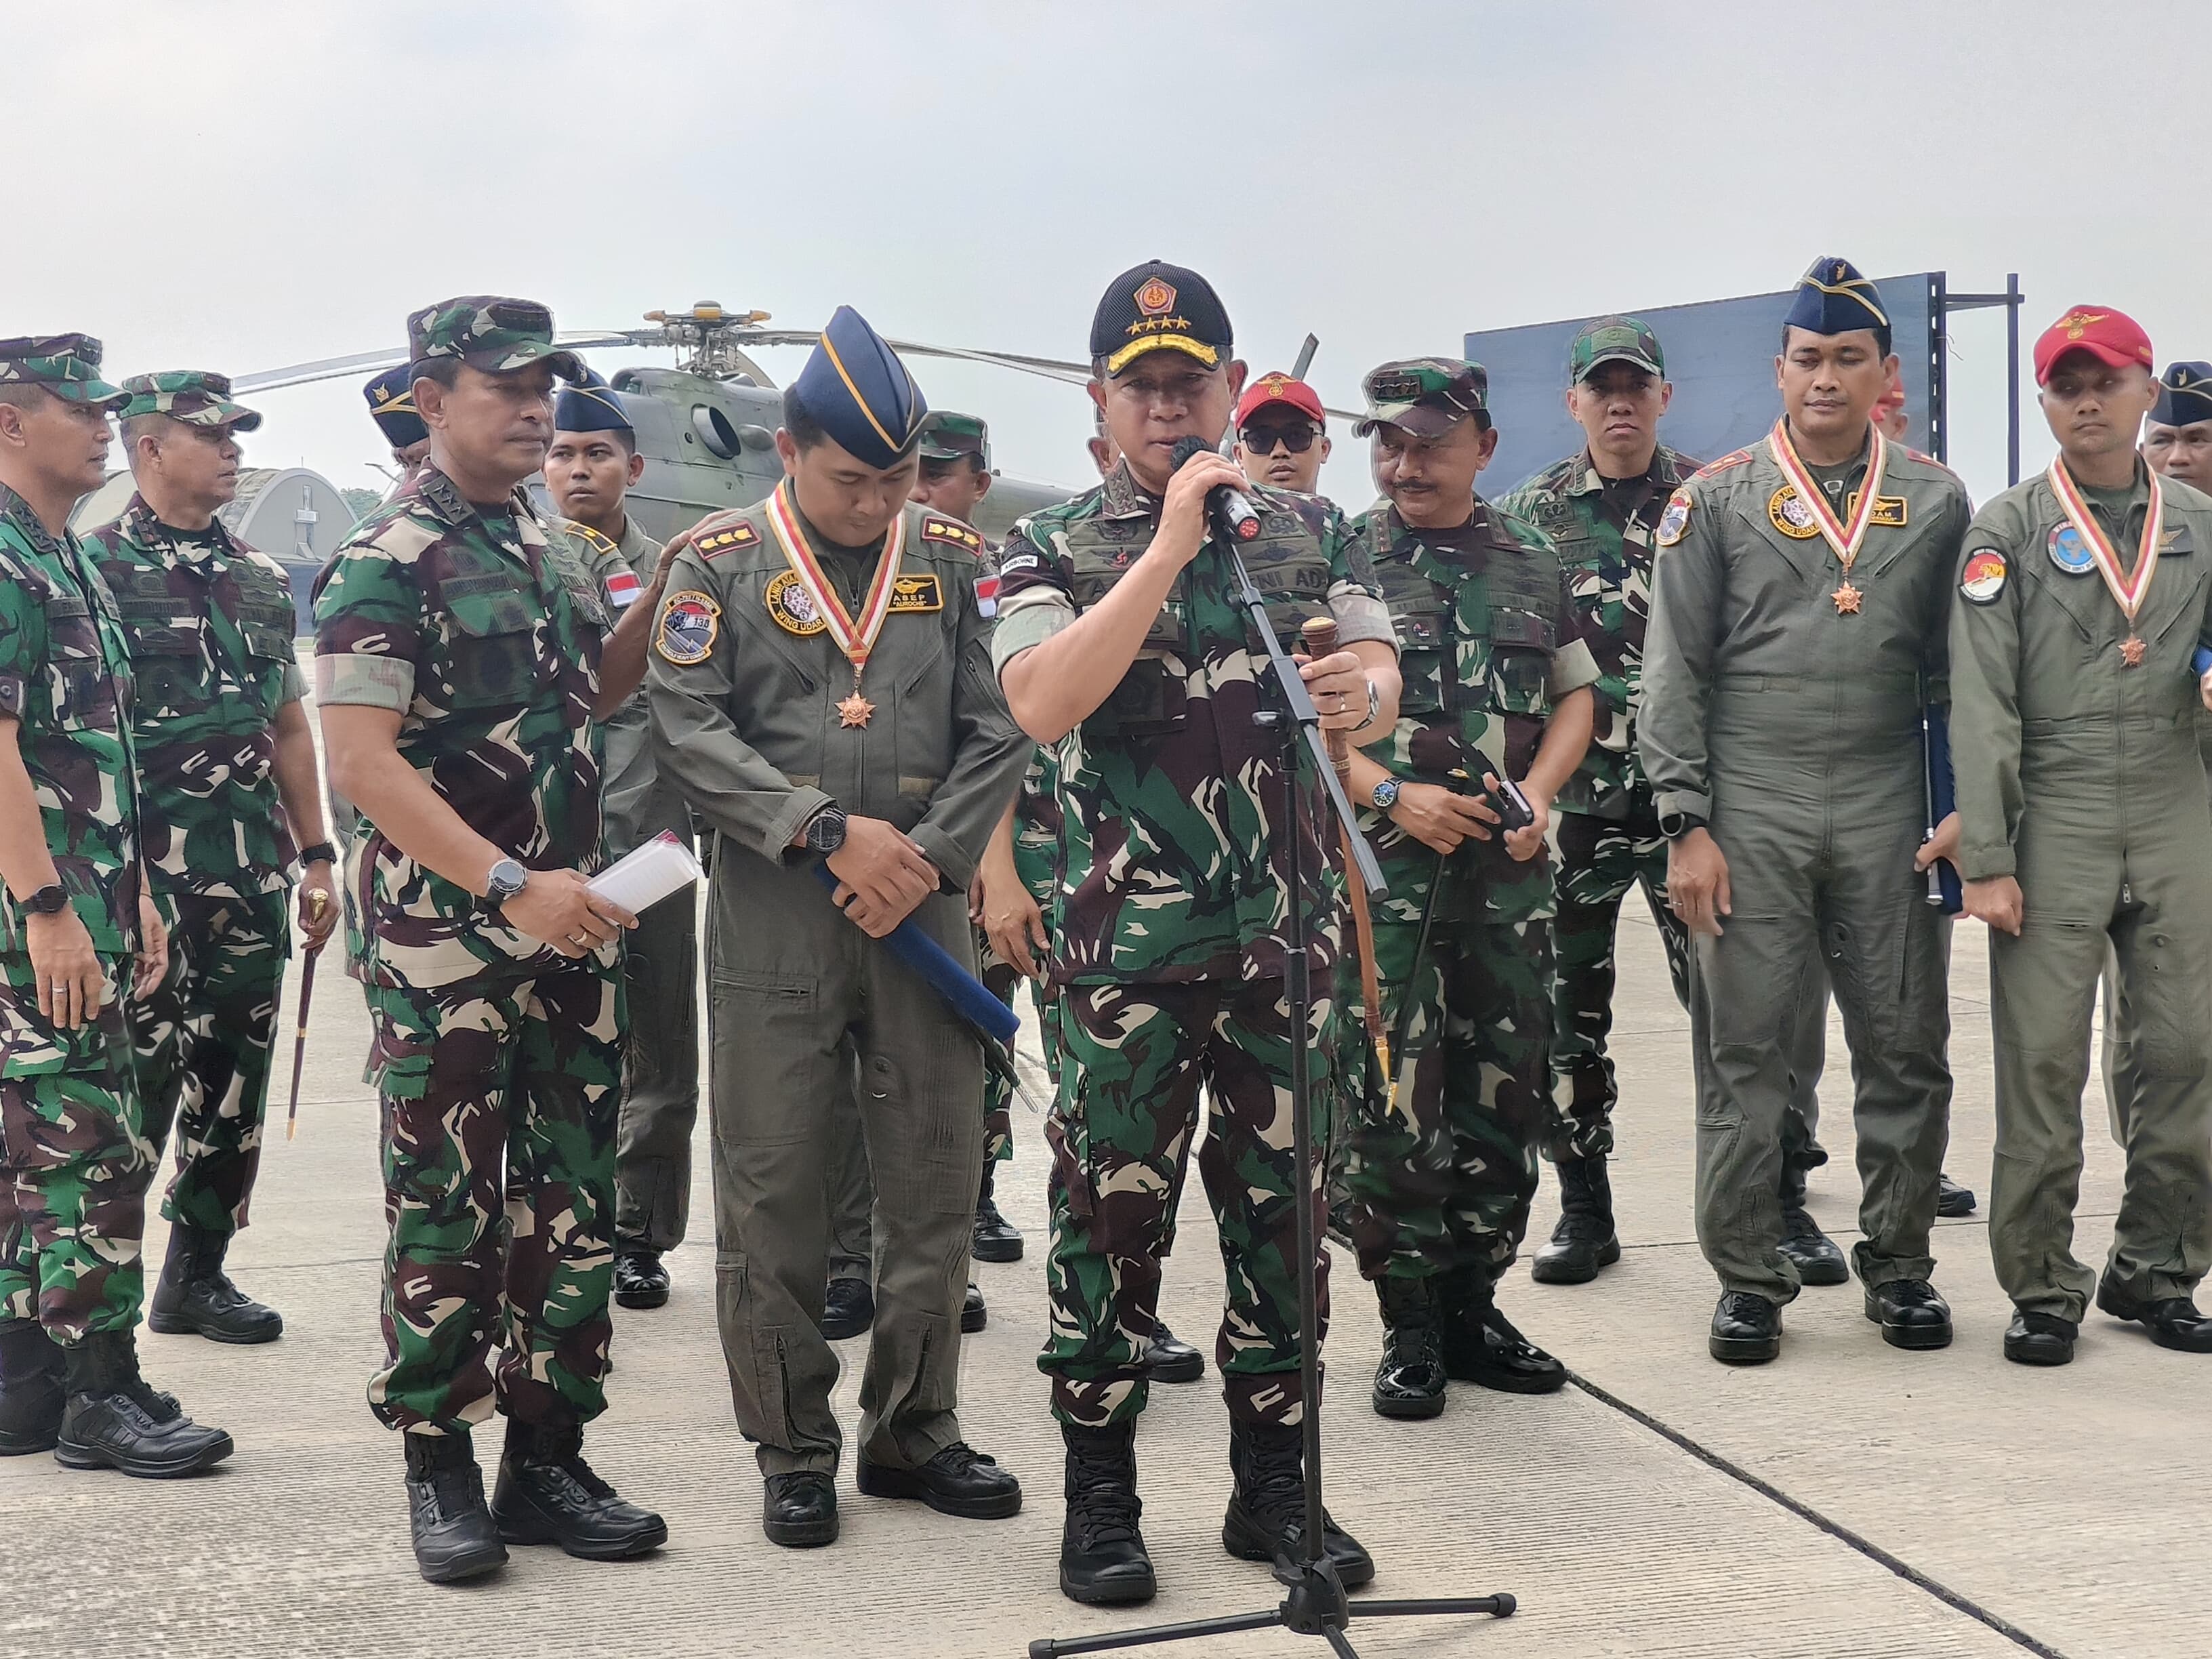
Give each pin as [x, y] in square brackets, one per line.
[1835, 1530]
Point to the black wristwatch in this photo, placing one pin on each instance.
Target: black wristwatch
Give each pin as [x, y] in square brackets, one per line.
[48, 901]
[506, 880]
[1675, 825]
[825, 830]
[1385, 795]
[321, 852]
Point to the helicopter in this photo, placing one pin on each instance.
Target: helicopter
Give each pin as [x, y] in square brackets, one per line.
[707, 426]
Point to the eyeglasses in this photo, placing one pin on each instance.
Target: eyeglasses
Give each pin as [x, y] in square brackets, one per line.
[1262, 439]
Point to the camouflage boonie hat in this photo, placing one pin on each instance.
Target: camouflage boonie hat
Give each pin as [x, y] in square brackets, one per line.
[489, 333]
[191, 395]
[946, 436]
[1614, 340]
[1426, 396]
[67, 365]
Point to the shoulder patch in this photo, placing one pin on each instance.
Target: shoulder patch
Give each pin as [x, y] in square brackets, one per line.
[1028, 561]
[1674, 520]
[1983, 578]
[1734, 458]
[591, 538]
[953, 531]
[688, 623]
[738, 534]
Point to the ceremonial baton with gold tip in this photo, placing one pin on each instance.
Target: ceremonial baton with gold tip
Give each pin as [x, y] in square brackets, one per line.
[318, 901]
[1320, 634]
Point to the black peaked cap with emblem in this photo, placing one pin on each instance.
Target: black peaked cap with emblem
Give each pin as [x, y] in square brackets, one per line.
[1157, 305]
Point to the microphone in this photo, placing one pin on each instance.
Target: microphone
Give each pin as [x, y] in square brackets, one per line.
[1235, 519]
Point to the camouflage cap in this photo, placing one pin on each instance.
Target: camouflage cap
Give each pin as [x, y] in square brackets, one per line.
[490, 333]
[946, 436]
[1615, 340]
[191, 395]
[67, 365]
[1426, 396]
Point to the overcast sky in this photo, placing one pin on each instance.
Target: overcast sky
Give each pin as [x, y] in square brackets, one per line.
[244, 184]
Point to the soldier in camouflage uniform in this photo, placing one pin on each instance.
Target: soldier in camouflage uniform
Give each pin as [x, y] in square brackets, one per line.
[1440, 1159]
[231, 800]
[1122, 649]
[74, 1165]
[463, 664]
[589, 470]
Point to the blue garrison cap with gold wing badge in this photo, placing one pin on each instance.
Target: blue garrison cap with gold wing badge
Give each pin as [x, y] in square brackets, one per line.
[1832, 298]
[2185, 395]
[860, 394]
[392, 405]
[590, 405]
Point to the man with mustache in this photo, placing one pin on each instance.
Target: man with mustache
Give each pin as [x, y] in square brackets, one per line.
[231, 804]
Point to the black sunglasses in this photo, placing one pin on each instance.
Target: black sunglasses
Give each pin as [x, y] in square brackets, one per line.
[1262, 439]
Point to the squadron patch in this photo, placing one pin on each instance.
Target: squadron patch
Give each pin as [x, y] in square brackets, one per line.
[738, 534]
[1984, 577]
[1674, 520]
[2070, 552]
[952, 530]
[792, 607]
[688, 623]
[1790, 515]
[917, 593]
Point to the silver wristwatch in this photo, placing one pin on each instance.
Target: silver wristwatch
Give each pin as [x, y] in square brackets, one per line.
[506, 878]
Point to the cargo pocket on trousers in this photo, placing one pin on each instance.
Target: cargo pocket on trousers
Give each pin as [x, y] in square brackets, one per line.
[939, 1153]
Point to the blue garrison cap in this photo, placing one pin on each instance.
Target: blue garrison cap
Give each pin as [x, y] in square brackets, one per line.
[391, 404]
[590, 405]
[859, 394]
[2185, 395]
[1832, 298]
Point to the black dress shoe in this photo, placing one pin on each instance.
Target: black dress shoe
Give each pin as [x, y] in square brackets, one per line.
[1409, 1383]
[799, 1512]
[2039, 1339]
[31, 1395]
[1480, 1345]
[1584, 1241]
[1952, 1200]
[113, 1420]
[455, 1538]
[2172, 1321]
[1267, 1510]
[996, 1239]
[1819, 1259]
[848, 1309]
[1103, 1560]
[195, 1298]
[974, 1313]
[1747, 1329]
[1911, 1312]
[1168, 1360]
[641, 1278]
[959, 1480]
[548, 1494]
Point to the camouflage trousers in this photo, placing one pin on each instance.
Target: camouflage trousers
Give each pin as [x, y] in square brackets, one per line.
[73, 1167]
[660, 1075]
[204, 1039]
[998, 1093]
[1443, 1182]
[499, 1098]
[1133, 1059]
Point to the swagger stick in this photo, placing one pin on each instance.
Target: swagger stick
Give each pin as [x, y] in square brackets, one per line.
[1319, 638]
[317, 901]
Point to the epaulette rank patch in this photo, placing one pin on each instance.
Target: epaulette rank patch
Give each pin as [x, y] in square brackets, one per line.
[738, 534]
[947, 530]
[1734, 458]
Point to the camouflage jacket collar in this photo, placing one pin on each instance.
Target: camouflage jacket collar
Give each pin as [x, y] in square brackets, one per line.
[15, 513]
[1391, 536]
[166, 545]
[1663, 475]
[443, 497]
[1120, 497]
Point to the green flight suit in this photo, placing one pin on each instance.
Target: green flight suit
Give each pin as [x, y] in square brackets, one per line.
[744, 688]
[2080, 777]
[1793, 728]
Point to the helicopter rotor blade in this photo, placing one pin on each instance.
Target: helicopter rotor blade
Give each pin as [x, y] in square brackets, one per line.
[332, 368]
[1305, 358]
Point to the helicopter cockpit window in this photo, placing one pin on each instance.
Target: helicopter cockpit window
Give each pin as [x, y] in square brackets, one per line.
[715, 431]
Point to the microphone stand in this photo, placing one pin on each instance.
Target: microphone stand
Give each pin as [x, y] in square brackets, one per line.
[1314, 1602]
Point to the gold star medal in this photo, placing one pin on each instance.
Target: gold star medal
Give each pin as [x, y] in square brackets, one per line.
[1847, 599]
[2129, 589]
[1811, 502]
[817, 599]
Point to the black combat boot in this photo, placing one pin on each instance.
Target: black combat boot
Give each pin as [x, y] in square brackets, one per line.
[31, 1392]
[195, 1297]
[640, 1276]
[1820, 1260]
[1410, 1381]
[1267, 1514]
[997, 1239]
[1747, 1329]
[1952, 1201]
[455, 1537]
[974, 1312]
[1102, 1560]
[1169, 1359]
[114, 1421]
[1483, 1346]
[848, 1309]
[548, 1494]
[1584, 1241]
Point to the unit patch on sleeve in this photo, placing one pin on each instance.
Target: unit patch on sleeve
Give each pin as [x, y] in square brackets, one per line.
[688, 623]
[1674, 520]
[1984, 577]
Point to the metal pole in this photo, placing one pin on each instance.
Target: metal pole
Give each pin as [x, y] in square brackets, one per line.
[2013, 302]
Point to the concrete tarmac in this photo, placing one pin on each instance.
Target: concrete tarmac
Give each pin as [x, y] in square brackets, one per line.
[1849, 1500]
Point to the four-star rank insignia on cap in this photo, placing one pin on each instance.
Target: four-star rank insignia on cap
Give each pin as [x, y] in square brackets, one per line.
[738, 534]
[688, 623]
[1674, 520]
[1983, 579]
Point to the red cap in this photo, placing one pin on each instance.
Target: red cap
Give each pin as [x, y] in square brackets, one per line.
[1892, 396]
[2112, 336]
[1279, 388]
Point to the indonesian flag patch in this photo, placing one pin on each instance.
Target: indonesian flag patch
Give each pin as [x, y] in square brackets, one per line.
[987, 595]
[623, 589]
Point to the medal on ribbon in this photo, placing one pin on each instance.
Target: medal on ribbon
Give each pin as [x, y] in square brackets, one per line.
[855, 639]
[1845, 538]
[2129, 590]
